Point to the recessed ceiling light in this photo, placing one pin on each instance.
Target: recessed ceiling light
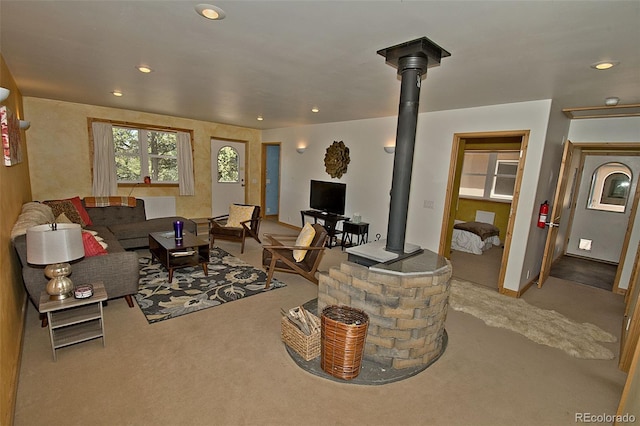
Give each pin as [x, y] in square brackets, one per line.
[260, 118]
[117, 93]
[315, 109]
[144, 69]
[210, 12]
[604, 65]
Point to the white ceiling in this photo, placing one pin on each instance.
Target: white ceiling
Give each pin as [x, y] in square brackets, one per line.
[279, 59]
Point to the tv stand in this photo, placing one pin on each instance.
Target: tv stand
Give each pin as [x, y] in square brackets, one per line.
[330, 221]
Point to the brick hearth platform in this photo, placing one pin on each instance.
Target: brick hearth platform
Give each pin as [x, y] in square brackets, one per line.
[406, 302]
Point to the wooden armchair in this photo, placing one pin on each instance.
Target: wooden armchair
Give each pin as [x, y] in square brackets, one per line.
[242, 221]
[279, 255]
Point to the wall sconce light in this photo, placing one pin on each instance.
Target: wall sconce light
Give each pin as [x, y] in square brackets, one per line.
[389, 149]
[24, 125]
[301, 149]
[612, 101]
[4, 94]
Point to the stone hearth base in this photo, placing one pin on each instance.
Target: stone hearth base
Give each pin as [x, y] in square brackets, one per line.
[371, 373]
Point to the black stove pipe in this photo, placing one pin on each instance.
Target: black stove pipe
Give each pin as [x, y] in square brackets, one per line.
[412, 59]
[411, 69]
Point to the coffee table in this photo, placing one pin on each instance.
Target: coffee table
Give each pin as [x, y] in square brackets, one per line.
[191, 251]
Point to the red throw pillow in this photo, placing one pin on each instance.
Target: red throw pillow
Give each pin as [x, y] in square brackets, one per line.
[91, 246]
[81, 210]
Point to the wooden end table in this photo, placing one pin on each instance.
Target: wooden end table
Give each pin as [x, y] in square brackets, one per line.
[358, 229]
[191, 252]
[74, 320]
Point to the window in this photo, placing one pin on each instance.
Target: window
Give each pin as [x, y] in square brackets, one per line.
[228, 165]
[610, 186]
[145, 152]
[489, 175]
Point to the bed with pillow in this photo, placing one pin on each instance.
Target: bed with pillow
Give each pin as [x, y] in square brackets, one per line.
[477, 236]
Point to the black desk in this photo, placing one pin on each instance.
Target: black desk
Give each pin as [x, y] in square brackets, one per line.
[330, 221]
[360, 230]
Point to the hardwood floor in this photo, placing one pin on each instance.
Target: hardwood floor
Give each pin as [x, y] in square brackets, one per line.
[585, 271]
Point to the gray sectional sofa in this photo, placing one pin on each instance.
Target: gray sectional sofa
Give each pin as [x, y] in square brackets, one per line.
[120, 227]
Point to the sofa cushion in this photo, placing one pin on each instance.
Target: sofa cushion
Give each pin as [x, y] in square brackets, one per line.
[113, 215]
[126, 231]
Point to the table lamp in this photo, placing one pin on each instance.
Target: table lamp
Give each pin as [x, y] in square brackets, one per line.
[54, 245]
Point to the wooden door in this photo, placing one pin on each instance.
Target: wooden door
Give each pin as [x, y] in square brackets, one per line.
[556, 213]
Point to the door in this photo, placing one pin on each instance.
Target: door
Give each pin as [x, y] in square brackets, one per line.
[227, 175]
[271, 182]
[631, 320]
[556, 213]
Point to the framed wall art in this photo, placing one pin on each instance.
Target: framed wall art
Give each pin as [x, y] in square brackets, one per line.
[11, 138]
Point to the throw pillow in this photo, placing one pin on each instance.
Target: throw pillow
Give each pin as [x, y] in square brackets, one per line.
[239, 214]
[91, 246]
[68, 208]
[81, 210]
[63, 219]
[305, 238]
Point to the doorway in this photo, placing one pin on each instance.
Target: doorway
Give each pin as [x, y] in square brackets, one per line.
[504, 210]
[597, 234]
[227, 175]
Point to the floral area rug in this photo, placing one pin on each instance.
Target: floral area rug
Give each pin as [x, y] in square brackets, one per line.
[191, 290]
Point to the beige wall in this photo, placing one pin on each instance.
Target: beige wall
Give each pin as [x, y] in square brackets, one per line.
[59, 152]
[15, 191]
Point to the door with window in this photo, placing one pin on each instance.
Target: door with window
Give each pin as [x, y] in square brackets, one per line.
[227, 175]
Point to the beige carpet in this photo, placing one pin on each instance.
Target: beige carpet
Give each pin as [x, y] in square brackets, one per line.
[227, 366]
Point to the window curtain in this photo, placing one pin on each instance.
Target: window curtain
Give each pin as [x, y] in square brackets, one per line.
[185, 164]
[105, 180]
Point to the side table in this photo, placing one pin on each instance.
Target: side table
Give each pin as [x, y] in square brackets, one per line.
[74, 320]
[202, 225]
[359, 229]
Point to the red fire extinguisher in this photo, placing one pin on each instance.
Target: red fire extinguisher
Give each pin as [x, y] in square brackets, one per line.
[544, 212]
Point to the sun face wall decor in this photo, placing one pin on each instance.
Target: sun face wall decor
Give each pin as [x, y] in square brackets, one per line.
[336, 159]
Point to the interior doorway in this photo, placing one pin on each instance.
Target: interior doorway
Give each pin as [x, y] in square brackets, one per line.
[504, 209]
[598, 237]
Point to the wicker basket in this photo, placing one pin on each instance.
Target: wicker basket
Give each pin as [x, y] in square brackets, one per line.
[344, 330]
[308, 347]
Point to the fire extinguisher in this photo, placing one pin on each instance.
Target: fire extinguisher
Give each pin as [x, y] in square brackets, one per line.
[544, 212]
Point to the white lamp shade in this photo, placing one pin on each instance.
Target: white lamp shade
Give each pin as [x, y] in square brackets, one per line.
[4, 93]
[46, 246]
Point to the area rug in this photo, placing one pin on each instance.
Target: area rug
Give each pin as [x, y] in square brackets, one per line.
[191, 290]
[543, 326]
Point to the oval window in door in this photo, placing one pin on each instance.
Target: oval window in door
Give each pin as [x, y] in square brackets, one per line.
[610, 186]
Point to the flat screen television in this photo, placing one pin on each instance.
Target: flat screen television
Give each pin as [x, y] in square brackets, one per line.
[328, 196]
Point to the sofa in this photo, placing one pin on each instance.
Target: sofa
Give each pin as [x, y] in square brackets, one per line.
[116, 228]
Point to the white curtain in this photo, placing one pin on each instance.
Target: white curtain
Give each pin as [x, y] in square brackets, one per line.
[185, 164]
[105, 181]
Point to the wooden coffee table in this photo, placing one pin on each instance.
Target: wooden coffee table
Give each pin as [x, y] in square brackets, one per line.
[191, 252]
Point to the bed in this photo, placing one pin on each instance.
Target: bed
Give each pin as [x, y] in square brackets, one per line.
[477, 236]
